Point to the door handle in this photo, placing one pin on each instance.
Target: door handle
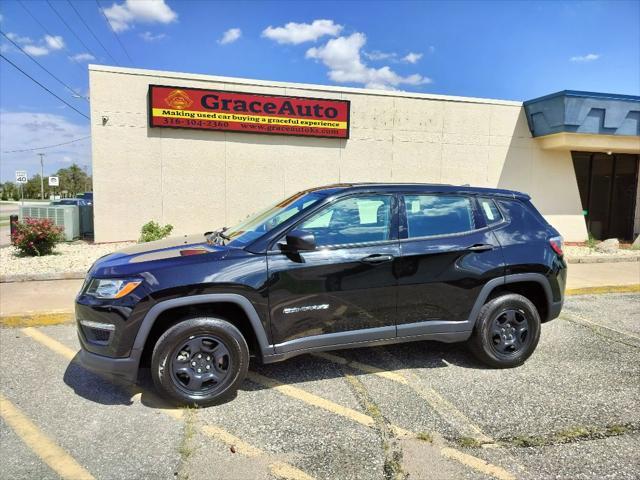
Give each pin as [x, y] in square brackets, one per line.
[377, 258]
[480, 247]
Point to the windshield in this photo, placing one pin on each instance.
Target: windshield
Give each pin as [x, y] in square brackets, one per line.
[259, 223]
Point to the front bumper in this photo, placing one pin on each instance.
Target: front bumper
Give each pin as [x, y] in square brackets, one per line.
[121, 368]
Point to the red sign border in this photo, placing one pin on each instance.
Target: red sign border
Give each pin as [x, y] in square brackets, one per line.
[150, 112]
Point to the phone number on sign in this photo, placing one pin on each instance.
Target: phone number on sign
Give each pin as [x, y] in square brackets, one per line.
[188, 122]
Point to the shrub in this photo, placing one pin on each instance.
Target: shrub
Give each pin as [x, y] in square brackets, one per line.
[154, 231]
[36, 236]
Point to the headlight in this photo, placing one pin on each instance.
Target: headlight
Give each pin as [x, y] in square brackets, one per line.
[111, 288]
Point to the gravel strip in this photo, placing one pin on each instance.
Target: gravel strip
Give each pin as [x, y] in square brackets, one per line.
[573, 251]
[67, 257]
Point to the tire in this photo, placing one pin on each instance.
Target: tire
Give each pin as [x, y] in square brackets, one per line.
[507, 331]
[200, 361]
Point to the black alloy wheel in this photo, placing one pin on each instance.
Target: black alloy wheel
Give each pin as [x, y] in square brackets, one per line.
[200, 365]
[506, 331]
[200, 361]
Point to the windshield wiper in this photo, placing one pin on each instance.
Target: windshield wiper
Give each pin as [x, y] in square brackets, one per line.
[217, 237]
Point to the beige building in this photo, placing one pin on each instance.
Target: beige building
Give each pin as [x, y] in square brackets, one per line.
[198, 180]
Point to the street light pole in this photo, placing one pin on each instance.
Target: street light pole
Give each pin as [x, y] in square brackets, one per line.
[41, 176]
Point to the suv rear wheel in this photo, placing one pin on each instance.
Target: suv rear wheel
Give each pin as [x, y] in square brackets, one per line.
[507, 331]
[200, 361]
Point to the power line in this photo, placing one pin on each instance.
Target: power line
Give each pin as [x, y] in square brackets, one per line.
[70, 29]
[114, 32]
[48, 146]
[41, 85]
[75, 62]
[43, 68]
[91, 31]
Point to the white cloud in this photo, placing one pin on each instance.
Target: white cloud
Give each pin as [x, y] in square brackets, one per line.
[18, 39]
[150, 37]
[82, 57]
[230, 36]
[35, 50]
[123, 15]
[377, 55]
[342, 56]
[38, 48]
[296, 33]
[589, 57]
[412, 57]
[22, 130]
[432, 49]
[55, 42]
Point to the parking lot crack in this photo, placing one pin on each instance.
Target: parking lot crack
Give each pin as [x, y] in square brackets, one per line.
[570, 435]
[392, 450]
[187, 445]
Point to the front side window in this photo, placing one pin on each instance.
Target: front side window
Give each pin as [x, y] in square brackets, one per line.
[361, 219]
[429, 215]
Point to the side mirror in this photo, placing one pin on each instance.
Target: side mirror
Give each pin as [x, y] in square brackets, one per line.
[298, 240]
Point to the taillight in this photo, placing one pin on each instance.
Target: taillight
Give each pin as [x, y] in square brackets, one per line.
[556, 244]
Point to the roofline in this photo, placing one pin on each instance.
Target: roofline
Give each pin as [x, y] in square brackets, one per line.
[585, 94]
[297, 86]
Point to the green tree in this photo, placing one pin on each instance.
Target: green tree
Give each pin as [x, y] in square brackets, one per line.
[74, 180]
[10, 191]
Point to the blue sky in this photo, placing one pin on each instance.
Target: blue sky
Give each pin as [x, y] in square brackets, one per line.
[508, 50]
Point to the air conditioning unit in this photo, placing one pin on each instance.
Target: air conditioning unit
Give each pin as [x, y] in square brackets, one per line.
[65, 216]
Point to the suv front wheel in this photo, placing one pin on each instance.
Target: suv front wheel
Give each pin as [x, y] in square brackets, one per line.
[506, 332]
[200, 361]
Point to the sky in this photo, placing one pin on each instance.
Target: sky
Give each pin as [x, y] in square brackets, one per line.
[515, 50]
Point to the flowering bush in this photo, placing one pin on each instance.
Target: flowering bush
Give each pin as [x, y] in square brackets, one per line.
[36, 236]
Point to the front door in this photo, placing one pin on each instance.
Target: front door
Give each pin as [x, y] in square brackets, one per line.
[345, 290]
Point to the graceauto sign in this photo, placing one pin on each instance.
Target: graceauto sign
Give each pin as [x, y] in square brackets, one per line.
[200, 109]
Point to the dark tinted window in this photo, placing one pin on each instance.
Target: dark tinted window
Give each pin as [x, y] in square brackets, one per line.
[429, 215]
[352, 220]
[490, 211]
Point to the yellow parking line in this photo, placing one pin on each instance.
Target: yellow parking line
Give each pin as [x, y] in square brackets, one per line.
[278, 468]
[312, 399]
[304, 396]
[433, 398]
[54, 456]
[476, 463]
[395, 377]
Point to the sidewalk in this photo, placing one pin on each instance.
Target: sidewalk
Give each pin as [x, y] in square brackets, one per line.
[57, 296]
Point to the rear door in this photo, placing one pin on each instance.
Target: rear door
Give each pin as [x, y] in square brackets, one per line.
[345, 290]
[447, 254]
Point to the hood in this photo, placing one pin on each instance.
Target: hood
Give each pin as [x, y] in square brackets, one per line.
[143, 256]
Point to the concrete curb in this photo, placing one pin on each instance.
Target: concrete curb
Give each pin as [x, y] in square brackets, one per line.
[39, 277]
[603, 259]
[37, 319]
[603, 289]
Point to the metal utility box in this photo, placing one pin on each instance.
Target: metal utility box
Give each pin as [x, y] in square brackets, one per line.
[65, 216]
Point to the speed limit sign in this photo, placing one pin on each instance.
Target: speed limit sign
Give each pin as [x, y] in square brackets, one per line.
[21, 176]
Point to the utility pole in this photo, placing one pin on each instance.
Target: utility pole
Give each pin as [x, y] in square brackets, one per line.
[41, 176]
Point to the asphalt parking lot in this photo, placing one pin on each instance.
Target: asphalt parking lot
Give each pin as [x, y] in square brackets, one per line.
[418, 411]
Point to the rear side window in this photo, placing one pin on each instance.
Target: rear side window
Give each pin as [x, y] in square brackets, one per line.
[490, 211]
[429, 215]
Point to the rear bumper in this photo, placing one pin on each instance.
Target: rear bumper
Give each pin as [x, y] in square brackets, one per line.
[121, 368]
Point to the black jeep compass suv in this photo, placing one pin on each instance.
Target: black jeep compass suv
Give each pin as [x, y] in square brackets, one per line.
[334, 267]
